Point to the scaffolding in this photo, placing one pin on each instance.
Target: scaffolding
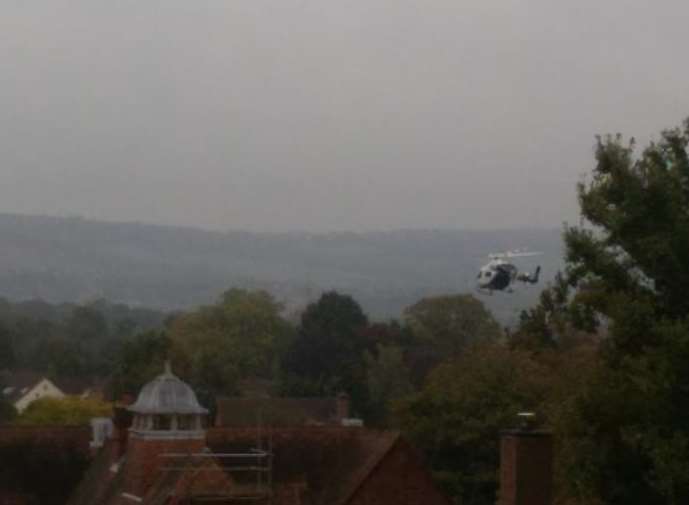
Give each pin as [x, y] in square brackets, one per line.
[247, 476]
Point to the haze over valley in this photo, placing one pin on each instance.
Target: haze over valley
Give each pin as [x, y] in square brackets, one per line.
[78, 260]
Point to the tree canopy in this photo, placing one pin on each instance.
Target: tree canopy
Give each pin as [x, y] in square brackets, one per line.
[451, 322]
[443, 326]
[624, 436]
[327, 354]
[631, 264]
[241, 336]
[63, 411]
[461, 409]
[602, 356]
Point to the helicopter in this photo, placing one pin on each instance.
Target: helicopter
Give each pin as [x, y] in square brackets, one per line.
[500, 273]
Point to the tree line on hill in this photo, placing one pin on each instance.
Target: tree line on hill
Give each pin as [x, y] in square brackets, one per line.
[171, 268]
[601, 358]
[68, 340]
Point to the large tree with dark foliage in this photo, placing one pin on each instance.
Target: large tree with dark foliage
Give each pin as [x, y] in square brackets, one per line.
[457, 415]
[625, 438]
[443, 326]
[327, 355]
[138, 360]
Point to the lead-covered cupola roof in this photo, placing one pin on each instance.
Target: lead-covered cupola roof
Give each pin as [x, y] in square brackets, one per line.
[167, 394]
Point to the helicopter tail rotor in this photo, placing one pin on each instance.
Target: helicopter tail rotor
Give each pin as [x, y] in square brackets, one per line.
[537, 272]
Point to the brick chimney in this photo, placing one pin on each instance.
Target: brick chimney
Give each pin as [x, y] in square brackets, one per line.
[526, 466]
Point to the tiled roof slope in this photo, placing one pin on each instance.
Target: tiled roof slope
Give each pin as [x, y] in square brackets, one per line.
[317, 465]
[322, 465]
[199, 478]
[99, 483]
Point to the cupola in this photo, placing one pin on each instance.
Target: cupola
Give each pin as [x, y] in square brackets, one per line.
[167, 408]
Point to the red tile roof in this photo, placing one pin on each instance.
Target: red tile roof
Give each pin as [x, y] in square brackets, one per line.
[324, 465]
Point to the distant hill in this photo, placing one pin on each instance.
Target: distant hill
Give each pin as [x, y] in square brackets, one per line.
[77, 260]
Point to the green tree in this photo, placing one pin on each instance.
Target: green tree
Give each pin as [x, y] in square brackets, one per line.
[388, 380]
[87, 324]
[242, 336]
[457, 416]
[137, 361]
[63, 411]
[327, 354]
[554, 322]
[443, 326]
[628, 262]
[62, 357]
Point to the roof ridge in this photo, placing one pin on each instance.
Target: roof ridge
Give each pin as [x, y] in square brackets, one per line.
[366, 469]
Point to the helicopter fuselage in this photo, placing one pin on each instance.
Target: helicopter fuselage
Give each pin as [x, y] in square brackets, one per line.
[496, 275]
[499, 273]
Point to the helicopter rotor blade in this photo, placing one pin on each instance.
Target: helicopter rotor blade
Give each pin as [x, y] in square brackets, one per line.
[517, 253]
[522, 254]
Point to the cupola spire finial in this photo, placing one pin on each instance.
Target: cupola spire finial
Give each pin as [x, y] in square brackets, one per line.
[168, 367]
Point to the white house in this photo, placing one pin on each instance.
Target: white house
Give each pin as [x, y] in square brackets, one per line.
[21, 389]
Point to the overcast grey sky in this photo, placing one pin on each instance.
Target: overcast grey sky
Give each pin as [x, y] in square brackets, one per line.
[326, 115]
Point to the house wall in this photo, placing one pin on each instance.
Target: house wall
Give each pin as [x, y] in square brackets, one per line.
[44, 389]
[398, 479]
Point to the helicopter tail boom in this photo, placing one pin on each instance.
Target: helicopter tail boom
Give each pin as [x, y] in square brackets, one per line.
[530, 278]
